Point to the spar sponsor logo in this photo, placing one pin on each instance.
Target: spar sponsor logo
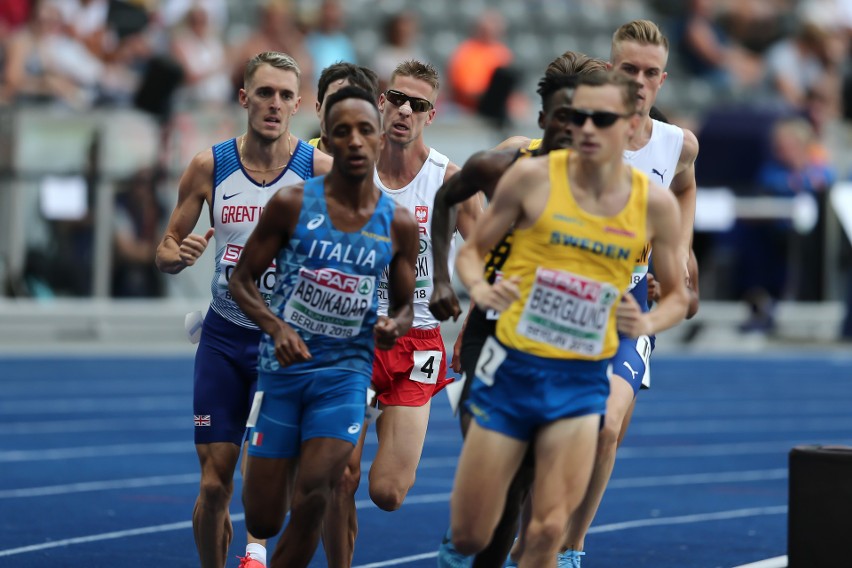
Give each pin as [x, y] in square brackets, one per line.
[330, 302]
[265, 282]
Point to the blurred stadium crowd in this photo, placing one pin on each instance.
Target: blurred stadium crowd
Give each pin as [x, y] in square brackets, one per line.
[765, 85]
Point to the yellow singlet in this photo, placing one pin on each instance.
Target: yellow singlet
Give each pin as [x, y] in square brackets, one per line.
[574, 268]
[534, 144]
[314, 142]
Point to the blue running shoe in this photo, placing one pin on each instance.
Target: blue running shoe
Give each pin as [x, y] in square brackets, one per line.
[569, 559]
[449, 557]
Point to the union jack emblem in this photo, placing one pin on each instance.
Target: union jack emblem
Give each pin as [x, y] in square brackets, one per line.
[202, 419]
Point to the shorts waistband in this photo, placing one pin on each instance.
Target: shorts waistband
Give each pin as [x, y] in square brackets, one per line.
[554, 363]
[417, 333]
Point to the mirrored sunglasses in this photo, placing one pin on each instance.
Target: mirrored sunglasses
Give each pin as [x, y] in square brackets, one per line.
[417, 104]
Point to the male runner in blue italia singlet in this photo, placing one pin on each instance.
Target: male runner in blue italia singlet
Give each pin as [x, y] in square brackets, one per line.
[331, 238]
[235, 178]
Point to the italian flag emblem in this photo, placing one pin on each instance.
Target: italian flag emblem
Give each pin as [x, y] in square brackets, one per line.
[256, 438]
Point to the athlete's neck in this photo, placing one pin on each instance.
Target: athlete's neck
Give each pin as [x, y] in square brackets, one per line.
[399, 164]
[356, 193]
[596, 179]
[643, 133]
[266, 155]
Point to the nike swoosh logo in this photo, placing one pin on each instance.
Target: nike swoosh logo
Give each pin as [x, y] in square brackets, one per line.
[227, 197]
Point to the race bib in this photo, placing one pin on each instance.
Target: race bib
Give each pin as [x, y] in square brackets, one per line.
[427, 367]
[329, 302]
[227, 264]
[492, 356]
[640, 270]
[568, 311]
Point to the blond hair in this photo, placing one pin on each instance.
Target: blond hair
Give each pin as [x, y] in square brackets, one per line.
[417, 70]
[643, 32]
[275, 59]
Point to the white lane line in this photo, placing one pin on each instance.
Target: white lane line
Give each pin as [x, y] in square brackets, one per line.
[96, 425]
[421, 499]
[710, 450]
[688, 519]
[752, 426]
[699, 478]
[398, 561]
[361, 504]
[89, 486]
[11, 456]
[625, 483]
[685, 519]
[777, 562]
[88, 404]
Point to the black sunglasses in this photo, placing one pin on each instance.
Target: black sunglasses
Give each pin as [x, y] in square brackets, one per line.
[600, 118]
[417, 104]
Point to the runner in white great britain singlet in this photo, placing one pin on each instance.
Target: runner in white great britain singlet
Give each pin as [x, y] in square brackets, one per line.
[238, 201]
[419, 198]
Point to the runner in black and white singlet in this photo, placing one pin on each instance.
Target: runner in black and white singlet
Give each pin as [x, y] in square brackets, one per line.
[235, 179]
[331, 237]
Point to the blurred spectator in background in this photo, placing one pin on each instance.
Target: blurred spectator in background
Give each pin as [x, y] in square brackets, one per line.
[709, 53]
[480, 72]
[13, 15]
[44, 64]
[398, 44]
[807, 60]
[199, 49]
[172, 13]
[327, 41]
[276, 30]
[473, 63]
[86, 21]
[776, 261]
[138, 216]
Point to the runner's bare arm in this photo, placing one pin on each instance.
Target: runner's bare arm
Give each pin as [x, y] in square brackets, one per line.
[180, 247]
[506, 209]
[664, 233]
[273, 232]
[685, 189]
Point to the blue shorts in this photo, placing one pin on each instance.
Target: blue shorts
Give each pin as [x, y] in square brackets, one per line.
[296, 407]
[516, 393]
[632, 361]
[225, 380]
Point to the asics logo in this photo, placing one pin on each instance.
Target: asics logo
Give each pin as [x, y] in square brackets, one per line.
[227, 197]
[655, 171]
[354, 428]
[315, 222]
[629, 368]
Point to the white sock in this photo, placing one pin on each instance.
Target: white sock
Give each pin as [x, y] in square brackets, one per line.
[257, 551]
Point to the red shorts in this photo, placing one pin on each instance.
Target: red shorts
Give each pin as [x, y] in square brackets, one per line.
[413, 371]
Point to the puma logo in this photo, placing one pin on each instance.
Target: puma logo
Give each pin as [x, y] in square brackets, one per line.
[629, 368]
[655, 171]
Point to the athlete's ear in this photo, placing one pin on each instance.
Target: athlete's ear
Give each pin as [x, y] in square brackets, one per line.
[541, 119]
[382, 102]
[243, 98]
[663, 77]
[296, 106]
[318, 107]
[430, 116]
